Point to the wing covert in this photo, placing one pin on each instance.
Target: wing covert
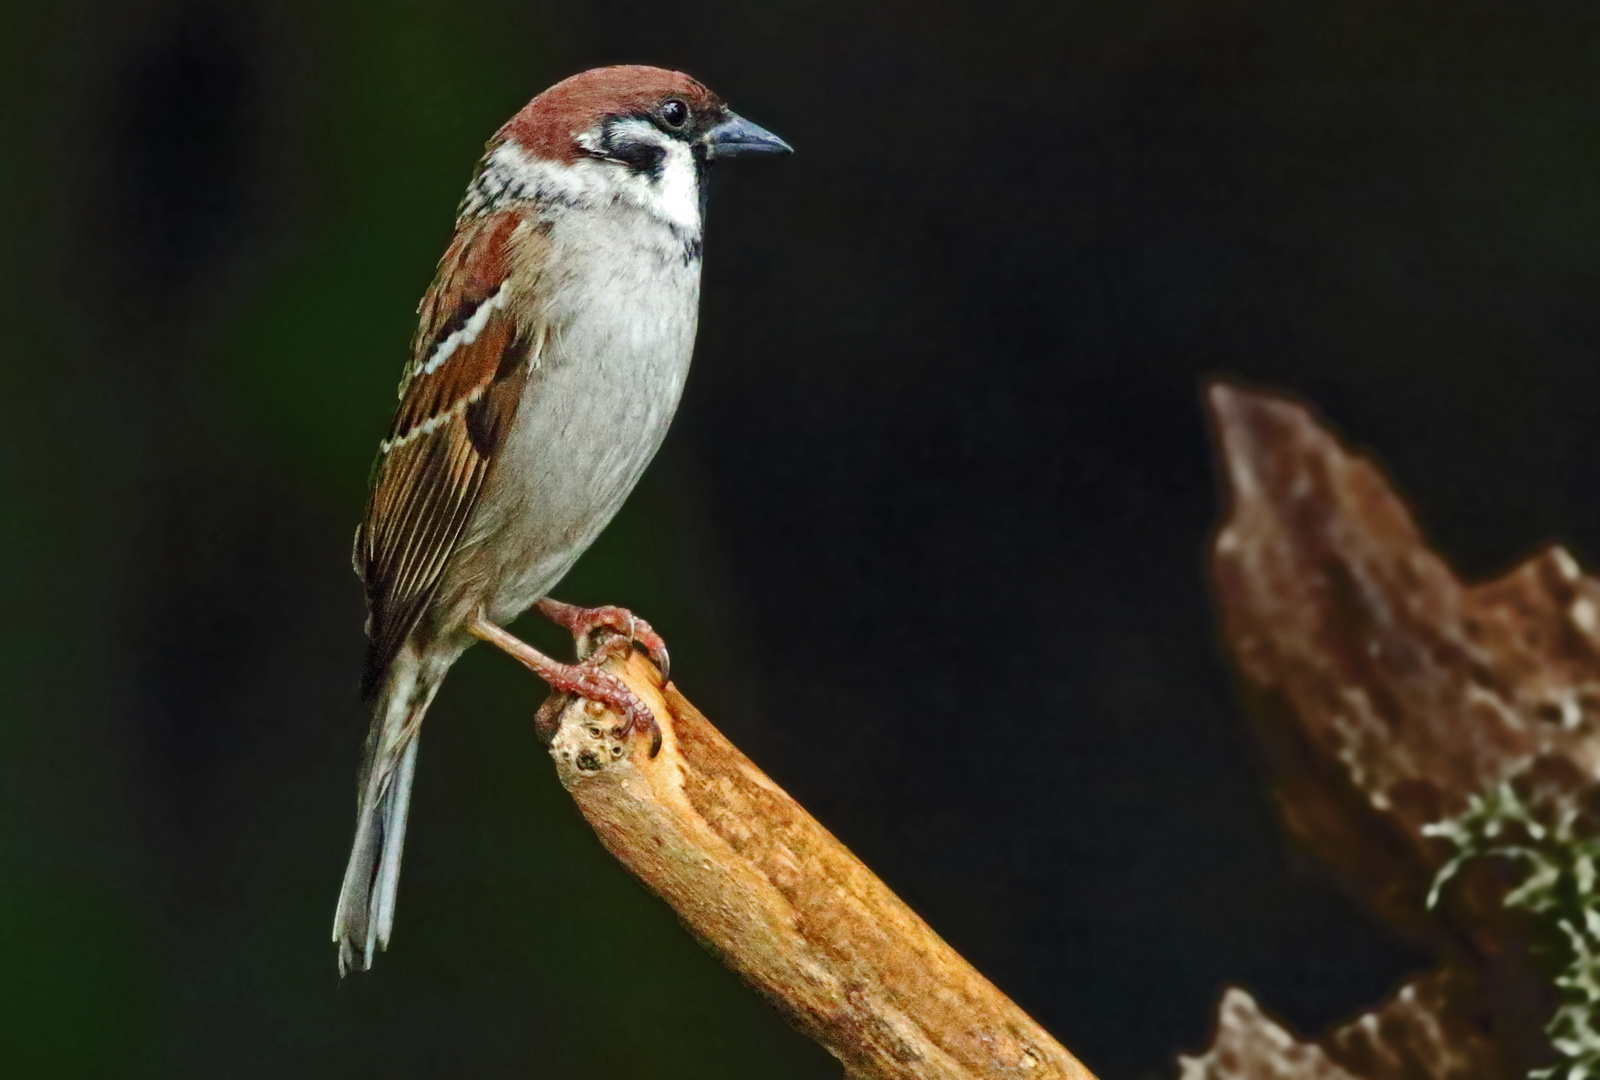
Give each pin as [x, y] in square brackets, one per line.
[458, 397]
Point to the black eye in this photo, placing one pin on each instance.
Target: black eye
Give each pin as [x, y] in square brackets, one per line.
[674, 114]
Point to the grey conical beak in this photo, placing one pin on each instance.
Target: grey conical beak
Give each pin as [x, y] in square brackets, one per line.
[738, 137]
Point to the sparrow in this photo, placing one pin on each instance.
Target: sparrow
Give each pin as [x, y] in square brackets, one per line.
[550, 354]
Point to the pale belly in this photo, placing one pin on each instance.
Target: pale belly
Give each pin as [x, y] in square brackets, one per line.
[591, 418]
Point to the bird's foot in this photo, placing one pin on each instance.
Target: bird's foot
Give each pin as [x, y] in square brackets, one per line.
[584, 679]
[581, 622]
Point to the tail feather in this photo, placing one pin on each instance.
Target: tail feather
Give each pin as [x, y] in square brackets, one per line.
[398, 801]
[364, 917]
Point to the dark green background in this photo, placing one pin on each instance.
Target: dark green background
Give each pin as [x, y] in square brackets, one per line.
[941, 460]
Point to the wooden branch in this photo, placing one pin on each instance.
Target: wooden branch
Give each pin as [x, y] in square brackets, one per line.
[784, 904]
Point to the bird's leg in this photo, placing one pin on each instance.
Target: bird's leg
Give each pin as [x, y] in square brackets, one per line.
[581, 622]
[582, 680]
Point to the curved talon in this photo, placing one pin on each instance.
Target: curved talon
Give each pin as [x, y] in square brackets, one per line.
[628, 725]
[585, 680]
[581, 622]
[612, 648]
[612, 692]
[635, 713]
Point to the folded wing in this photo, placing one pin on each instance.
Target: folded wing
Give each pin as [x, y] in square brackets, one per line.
[458, 398]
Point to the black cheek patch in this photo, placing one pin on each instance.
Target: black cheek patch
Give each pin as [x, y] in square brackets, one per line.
[644, 156]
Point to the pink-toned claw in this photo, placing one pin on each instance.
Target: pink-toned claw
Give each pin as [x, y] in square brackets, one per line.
[612, 648]
[583, 680]
[581, 622]
[633, 722]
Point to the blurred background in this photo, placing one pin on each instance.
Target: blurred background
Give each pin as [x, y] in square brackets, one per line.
[941, 459]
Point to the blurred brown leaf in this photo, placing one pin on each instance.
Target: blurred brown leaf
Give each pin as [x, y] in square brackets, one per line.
[1386, 693]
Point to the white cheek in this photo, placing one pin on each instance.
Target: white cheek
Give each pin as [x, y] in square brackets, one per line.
[511, 175]
[678, 189]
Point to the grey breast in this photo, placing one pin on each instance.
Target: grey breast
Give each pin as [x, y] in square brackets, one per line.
[596, 409]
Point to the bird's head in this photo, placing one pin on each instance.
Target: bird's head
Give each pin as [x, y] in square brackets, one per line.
[646, 133]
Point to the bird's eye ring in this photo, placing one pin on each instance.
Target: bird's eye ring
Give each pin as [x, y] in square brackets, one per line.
[674, 113]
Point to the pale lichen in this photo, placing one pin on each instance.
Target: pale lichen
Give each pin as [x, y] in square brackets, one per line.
[1561, 872]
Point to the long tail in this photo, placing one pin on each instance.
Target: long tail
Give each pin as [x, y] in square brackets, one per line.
[365, 915]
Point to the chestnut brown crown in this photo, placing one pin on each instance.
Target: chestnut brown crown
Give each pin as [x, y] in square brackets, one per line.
[550, 124]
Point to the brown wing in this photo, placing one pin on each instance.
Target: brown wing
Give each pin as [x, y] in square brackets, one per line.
[457, 400]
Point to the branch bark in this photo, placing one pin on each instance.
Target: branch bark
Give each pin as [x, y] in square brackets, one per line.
[783, 903]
